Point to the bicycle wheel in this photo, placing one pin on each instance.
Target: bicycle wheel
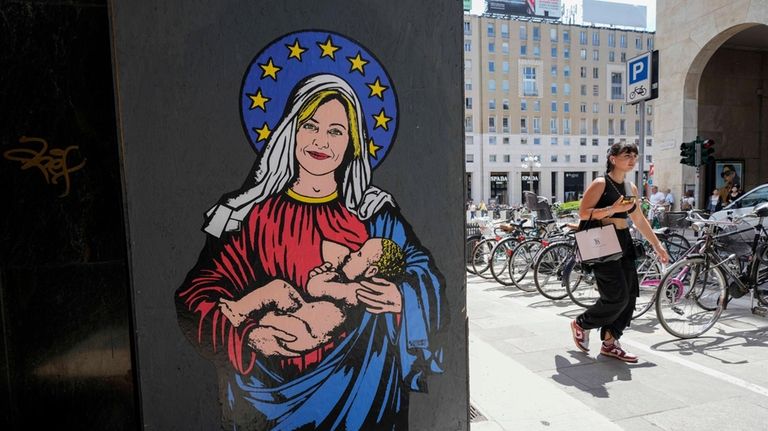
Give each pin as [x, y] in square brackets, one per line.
[548, 269]
[683, 289]
[469, 249]
[649, 273]
[580, 283]
[676, 246]
[520, 263]
[761, 285]
[500, 259]
[481, 258]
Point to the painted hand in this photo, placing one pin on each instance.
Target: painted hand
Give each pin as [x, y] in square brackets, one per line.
[380, 296]
[267, 341]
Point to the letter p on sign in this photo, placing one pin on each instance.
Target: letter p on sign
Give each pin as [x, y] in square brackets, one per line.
[637, 69]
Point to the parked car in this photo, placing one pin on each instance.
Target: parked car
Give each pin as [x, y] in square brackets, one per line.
[745, 204]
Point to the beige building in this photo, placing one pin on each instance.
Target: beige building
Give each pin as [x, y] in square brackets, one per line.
[713, 82]
[549, 90]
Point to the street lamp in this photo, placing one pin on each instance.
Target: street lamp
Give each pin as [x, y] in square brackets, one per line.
[529, 162]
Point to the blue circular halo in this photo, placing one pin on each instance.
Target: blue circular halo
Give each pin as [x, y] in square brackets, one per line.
[274, 72]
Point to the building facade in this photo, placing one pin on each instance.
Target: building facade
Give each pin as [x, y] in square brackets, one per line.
[547, 91]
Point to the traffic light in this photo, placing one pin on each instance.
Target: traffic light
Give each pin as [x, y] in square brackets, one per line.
[688, 153]
[707, 151]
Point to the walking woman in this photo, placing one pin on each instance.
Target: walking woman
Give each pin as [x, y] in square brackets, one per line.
[617, 282]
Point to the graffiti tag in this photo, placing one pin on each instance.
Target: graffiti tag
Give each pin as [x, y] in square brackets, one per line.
[53, 164]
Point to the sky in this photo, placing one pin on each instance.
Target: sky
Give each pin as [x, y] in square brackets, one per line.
[478, 7]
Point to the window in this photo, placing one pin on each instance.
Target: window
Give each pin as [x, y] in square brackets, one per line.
[553, 52]
[595, 90]
[622, 126]
[491, 47]
[553, 106]
[610, 141]
[583, 142]
[470, 158]
[567, 158]
[595, 108]
[583, 158]
[467, 28]
[649, 142]
[505, 104]
[610, 108]
[637, 127]
[649, 158]
[567, 141]
[468, 85]
[567, 126]
[566, 106]
[553, 70]
[491, 140]
[566, 36]
[529, 81]
[595, 72]
[523, 125]
[492, 127]
[505, 66]
[623, 57]
[523, 105]
[505, 47]
[505, 140]
[537, 106]
[491, 66]
[582, 107]
[468, 140]
[536, 141]
[553, 158]
[523, 50]
[505, 30]
[553, 127]
[523, 141]
[582, 72]
[491, 30]
[468, 102]
[566, 71]
[567, 89]
[623, 109]
[506, 158]
[554, 88]
[467, 64]
[595, 129]
[582, 38]
[623, 41]
[523, 32]
[649, 127]
[583, 128]
[491, 85]
[505, 125]
[553, 34]
[595, 158]
[649, 43]
[536, 50]
[566, 52]
[596, 55]
[595, 38]
[611, 56]
[638, 43]
[505, 86]
[468, 123]
[649, 109]
[491, 103]
[611, 130]
[611, 39]
[617, 87]
[583, 54]
[492, 158]
[467, 46]
[583, 90]
[536, 125]
[536, 33]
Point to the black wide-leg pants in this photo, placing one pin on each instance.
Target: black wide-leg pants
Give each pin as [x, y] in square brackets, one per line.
[618, 287]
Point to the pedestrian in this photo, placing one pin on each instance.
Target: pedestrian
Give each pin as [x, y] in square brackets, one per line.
[472, 210]
[657, 197]
[734, 194]
[483, 209]
[687, 203]
[617, 281]
[714, 202]
[669, 200]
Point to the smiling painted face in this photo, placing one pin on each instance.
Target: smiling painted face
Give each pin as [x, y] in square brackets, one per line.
[322, 139]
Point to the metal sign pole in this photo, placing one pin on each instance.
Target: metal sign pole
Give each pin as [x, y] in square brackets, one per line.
[641, 150]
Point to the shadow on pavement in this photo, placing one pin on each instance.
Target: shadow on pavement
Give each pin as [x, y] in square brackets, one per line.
[591, 377]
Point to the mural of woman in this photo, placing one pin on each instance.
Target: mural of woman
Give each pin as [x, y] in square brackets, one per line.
[311, 184]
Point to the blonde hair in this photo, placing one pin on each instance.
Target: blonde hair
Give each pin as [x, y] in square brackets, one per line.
[310, 107]
[391, 262]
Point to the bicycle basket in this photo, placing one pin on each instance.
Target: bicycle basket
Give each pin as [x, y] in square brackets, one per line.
[472, 229]
[675, 220]
[736, 239]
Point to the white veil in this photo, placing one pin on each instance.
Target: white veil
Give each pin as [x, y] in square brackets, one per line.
[276, 167]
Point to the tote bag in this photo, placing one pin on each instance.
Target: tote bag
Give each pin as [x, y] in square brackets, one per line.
[597, 244]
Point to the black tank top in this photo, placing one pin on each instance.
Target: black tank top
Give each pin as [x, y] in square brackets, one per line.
[611, 194]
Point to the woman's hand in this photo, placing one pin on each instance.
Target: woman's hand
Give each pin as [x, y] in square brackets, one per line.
[661, 252]
[619, 207]
[380, 296]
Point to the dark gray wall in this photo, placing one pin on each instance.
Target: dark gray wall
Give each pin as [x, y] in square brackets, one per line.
[179, 66]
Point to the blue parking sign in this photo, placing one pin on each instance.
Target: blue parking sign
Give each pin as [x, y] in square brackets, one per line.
[638, 82]
[638, 69]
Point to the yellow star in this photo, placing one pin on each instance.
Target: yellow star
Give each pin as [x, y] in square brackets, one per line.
[357, 64]
[328, 49]
[269, 70]
[296, 50]
[263, 132]
[373, 148]
[377, 89]
[259, 101]
[381, 120]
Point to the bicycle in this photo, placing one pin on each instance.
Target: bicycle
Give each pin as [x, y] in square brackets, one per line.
[694, 291]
